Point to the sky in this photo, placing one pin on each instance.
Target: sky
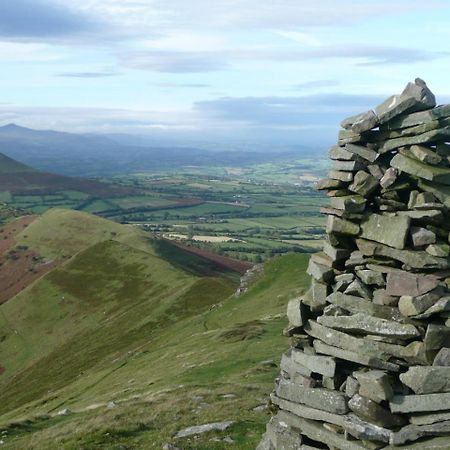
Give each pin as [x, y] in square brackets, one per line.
[208, 69]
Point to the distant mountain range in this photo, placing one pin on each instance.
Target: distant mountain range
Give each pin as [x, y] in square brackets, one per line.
[95, 155]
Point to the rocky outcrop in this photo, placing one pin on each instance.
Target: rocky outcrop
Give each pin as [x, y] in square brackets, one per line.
[369, 363]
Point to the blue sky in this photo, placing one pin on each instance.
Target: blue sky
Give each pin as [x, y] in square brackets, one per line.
[248, 68]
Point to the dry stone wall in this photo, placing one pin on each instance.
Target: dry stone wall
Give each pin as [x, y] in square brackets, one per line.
[369, 363]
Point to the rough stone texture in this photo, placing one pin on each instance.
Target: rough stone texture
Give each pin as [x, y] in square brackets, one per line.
[388, 230]
[427, 380]
[369, 366]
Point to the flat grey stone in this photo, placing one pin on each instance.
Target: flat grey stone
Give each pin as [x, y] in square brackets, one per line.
[405, 283]
[318, 398]
[415, 432]
[376, 351]
[357, 305]
[347, 177]
[427, 380]
[429, 137]
[351, 356]
[340, 226]
[348, 166]
[421, 170]
[426, 419]
[361, 122]
[372, 412]
[296, 312]
[418, 118]
[339, 153]
[388, 230]
[349, 203]
[371, 277]
[365, 324]
[375, 385]
[336, 254]
[320, 272]
[323, 365]
[328, 183]
[200, 429]
[414, 259]
[364, 152]
[420, 403]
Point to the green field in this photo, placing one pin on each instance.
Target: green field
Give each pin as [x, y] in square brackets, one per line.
[270, 208]
[123, 322]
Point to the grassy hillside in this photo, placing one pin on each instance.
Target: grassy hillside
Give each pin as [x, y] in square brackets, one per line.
[171, 348]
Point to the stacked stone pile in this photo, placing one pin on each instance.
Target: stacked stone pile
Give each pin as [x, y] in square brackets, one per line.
[369, 363]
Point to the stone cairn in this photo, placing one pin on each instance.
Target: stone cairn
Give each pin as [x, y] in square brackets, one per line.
[369, 363]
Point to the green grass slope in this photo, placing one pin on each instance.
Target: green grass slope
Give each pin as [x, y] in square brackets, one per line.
[62, 233]
[169, 347]
[9, 166]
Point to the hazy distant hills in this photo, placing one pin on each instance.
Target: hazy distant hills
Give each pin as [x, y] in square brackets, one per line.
[94, 155]
[17, 178]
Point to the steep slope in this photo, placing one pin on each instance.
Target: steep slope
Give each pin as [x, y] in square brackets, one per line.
[118, 323]
[9, 165]
[18, 179]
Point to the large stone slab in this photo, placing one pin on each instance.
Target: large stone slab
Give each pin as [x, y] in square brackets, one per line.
[340, 226]
[349, 203]
[412, 258]
[415, 432]
[367, 347]
[315, 431]
[296, 312]
[372, 412]
[388, 230]
[357, 305]
[351, 356]
[365, 324]
[429, 137]
[363, 152]
[315, 363]
[407, 283]
[427, 380]
[318, 398]
[361, 122]
[420, 403]
[418, 118]
[421, 170]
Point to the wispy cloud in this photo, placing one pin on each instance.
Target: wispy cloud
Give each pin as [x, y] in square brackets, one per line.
[208, 61]
[100, 74]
